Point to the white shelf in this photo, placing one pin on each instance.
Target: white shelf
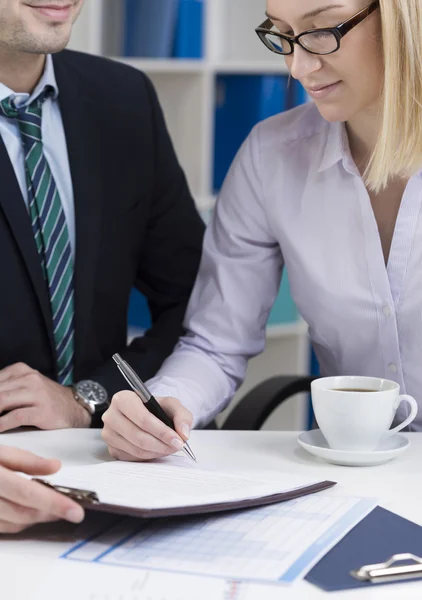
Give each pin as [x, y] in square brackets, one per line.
[177, 65]
[205, 202]
[157, 65]
[287, 330]
[250, 67]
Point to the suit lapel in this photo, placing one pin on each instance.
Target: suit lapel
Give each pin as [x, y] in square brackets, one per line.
[15, 211]
[80, 118]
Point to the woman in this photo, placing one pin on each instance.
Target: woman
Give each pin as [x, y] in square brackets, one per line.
[332, 191]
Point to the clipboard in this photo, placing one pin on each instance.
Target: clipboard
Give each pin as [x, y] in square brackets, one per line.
[383, 548]
[391, 570]
[90, 501]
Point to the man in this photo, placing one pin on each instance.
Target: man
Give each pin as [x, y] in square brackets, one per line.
[93, 202]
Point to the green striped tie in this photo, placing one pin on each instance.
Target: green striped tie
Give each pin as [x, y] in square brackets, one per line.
[50, 230]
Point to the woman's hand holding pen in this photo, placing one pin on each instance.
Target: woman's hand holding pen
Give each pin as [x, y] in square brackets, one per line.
[132, 433]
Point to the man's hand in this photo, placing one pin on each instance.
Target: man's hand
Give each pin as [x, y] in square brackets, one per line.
[24, 503]
[133, 433]
[32, 400]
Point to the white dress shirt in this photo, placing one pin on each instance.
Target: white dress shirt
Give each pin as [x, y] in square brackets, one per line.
[295, 198]
[54, 143]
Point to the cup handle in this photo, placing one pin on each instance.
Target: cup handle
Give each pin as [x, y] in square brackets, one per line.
[413, 412]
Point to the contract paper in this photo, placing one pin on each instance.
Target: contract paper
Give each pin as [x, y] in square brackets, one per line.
[169, 485]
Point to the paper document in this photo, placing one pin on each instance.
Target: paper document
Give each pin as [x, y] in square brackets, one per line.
[74, 581]
[80, 581]
[277, 543]
[152, 485]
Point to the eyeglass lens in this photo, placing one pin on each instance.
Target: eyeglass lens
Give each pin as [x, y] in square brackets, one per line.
[320, 42]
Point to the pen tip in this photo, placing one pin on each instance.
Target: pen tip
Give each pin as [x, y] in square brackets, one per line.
[189, 452]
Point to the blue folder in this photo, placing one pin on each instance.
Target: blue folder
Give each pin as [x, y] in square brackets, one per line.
[297, 94]
[149, 28]
[242, 101]
[139, 315]
[188, 41]
[376, 539]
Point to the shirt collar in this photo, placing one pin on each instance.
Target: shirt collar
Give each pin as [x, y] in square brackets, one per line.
[336, 148]
[47, 78]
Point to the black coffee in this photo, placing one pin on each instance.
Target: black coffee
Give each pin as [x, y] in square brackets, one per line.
[353, 390]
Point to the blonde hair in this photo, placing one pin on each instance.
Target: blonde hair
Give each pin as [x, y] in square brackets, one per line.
[398, 152]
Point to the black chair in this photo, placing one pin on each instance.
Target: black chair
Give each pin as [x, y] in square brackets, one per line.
[256, 406]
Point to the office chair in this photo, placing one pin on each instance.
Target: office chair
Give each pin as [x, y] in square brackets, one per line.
[255, 407]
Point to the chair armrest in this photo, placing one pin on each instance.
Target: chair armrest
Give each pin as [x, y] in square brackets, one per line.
[256, 406]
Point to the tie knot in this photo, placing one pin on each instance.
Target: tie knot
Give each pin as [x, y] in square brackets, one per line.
[28, 117]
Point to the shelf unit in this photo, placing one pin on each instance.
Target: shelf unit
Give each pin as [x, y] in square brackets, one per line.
[186, 88]
[187, 92]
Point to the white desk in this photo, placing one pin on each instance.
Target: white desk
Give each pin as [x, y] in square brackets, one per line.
[24, 559]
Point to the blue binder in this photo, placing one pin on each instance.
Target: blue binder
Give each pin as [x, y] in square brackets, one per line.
[138, 315]
[188, 41]
[377, 538]
[149, 28]
[242, 101]
[297, 94]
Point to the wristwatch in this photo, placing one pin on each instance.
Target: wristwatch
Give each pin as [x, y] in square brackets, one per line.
[92, 396]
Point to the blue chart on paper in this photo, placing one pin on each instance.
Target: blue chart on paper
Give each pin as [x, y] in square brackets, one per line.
[278, 543]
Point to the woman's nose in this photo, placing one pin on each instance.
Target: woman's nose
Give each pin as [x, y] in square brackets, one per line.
[302, 63]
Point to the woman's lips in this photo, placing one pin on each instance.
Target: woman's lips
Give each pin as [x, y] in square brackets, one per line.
[323, 91]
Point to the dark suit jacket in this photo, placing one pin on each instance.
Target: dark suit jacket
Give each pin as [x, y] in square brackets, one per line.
[136, 225]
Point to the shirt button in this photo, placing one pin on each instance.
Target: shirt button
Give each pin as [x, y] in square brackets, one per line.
[392, 368]
[387, 310]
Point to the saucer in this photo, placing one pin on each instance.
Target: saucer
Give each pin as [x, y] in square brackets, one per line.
[390, 446]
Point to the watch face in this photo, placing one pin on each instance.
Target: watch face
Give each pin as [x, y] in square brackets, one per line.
[92, 391]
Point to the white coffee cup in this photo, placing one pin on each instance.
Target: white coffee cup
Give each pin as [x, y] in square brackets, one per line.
[357, 420]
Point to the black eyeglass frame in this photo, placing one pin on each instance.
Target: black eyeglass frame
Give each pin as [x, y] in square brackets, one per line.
[339, 32]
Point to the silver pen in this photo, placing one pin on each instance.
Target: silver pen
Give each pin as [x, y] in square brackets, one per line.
[147, 398]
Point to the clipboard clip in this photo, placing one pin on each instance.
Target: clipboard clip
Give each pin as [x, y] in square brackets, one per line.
[391, 570]
[84, 496]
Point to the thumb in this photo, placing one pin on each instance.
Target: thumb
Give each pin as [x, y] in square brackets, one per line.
[181, 416]
[16, 459]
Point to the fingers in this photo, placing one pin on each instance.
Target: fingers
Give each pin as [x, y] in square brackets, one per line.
[22, 516]
[117, 451]
[12, 384]
[21, 417]
[23, 502]
[13, 371]
[121, 455]
[141, 444]
[11, 399]
[36, 497]
[117, 442]
[128, 417]
[8, 528]
[26, 462]
[182, 418]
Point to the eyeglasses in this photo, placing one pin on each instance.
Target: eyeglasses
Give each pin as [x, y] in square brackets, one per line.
[315, 41]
